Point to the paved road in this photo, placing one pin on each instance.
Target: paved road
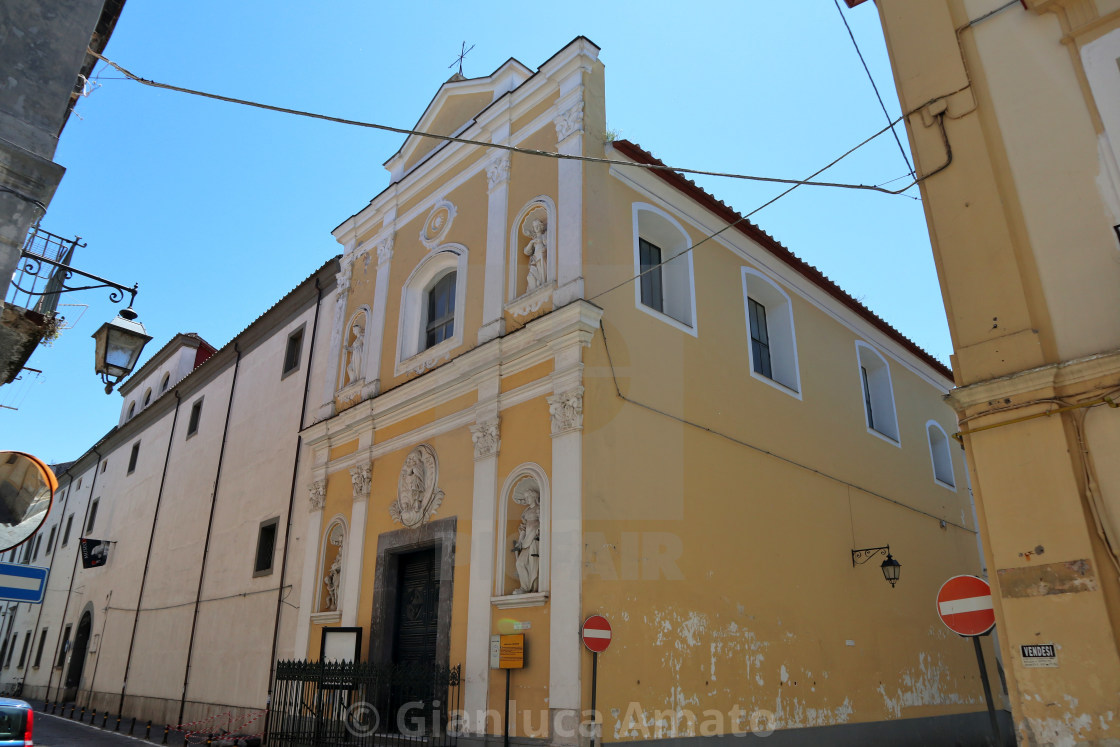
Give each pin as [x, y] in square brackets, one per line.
[56, 731]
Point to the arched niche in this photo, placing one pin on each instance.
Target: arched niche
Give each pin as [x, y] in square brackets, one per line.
[332, 553]
[355, 347]
[522, 233]
[517, 506]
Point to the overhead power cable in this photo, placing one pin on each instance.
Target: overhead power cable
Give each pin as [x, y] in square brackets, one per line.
[873, 86]
[496, 146]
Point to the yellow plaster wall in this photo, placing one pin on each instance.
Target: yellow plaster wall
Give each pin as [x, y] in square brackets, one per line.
[726, 571]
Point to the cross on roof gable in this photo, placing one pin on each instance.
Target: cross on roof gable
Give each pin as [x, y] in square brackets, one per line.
[453, 109]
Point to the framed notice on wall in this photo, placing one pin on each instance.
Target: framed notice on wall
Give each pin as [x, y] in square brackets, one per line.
[341, 644]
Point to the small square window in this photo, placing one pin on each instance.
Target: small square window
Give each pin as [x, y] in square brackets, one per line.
[292, 351]
[92, 516]
[133, 457]
[266, 547]
[196, 415]
[103, 466]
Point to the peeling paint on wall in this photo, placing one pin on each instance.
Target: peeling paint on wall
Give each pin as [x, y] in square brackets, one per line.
[926, 685]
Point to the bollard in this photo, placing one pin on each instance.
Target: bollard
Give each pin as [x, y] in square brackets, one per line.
[72, 707]
[148, 730]
[82, 715]
[166, 729]
[104, 718]
[118, 723]
[46, 706]
[92, 716]
[209, 740]
[132, 726]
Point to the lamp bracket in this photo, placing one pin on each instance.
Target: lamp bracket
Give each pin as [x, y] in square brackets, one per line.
[859, 557]
[34, 265]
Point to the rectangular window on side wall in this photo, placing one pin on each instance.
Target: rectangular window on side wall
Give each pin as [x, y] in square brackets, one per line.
[760, 339]
[196, 415]
[266, 547]
[92, 515]
[135, 455]
[66, 532]
[292, 352]
[23, 651]
[50, 540]
[35, 552]
[11, 650]
[62, 649]
[42, 645]
[649, 261]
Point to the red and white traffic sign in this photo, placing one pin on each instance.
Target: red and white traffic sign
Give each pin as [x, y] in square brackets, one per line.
[964, 604]
[596, 633]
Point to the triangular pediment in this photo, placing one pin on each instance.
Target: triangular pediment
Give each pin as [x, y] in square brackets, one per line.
[453, 109]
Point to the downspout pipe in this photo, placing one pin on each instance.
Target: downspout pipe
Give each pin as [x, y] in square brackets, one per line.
[148, 557]
[73, 573]
[291, 507]
[209, 532]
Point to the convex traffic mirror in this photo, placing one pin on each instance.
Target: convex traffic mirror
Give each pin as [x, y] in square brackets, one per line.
[27, 488]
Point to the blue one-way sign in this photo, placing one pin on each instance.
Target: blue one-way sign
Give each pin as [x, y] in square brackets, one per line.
[22, 583]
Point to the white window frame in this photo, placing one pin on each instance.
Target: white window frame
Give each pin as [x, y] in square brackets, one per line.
[946, 453]
[881, 391]
[677, 278]
[411, 353]
[503, 563]
[780, 331]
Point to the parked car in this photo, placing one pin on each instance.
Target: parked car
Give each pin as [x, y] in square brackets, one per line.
[16, 720]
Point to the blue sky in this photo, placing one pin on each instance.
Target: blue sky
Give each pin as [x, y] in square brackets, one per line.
[218, 210]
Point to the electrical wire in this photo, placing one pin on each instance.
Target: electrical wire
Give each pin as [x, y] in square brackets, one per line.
[202, 601]
[496, 146]
[873, 86]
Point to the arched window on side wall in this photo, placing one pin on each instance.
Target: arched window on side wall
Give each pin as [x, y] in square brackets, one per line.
[876, 391]
[940, 454]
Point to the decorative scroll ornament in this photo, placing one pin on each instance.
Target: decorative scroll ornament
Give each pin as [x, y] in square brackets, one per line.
[497, 171]
[566, 410]
[385, 248]
[437, 224]
[417, 494]
[570, 122]
[485, 438]
[346, 268]
[361, 475]
[317, 495]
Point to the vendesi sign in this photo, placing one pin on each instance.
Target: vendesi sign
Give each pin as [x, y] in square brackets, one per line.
[1039, 655]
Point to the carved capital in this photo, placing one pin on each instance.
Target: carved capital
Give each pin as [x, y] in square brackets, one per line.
[566, 410]
[485, 438]
[317, 495]
[569, 122]
[346, 268]
[385, 249]
[362, 476]
[497, 171]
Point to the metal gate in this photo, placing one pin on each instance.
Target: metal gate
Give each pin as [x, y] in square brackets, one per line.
[350, 704]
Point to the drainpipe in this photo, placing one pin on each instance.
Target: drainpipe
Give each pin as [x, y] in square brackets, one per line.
[148, 557]
[73, 573]
[291, 506]
[93, 675]
[209, 531]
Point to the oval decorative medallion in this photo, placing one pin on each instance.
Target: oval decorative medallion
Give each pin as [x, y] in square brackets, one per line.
[437, 224]
[417, 494]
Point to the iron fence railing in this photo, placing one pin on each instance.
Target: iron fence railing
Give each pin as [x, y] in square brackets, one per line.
[351, 704]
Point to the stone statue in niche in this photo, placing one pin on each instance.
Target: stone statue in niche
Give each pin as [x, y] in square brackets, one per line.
[356, 348]
[535, 228]
[417, 495]
[334, 573]
[526, 548]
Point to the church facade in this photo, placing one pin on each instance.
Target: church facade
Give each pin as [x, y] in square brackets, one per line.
[552, 395]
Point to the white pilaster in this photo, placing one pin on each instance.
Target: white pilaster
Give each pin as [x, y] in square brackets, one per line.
[317, 492]
[377, 321]
[566, 409]
[497, 214]
[569, 136]
[330, 381]
[360, 476]
[476, 679]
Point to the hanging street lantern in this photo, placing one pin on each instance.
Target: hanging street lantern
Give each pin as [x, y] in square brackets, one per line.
[119, 344]
[891, 569]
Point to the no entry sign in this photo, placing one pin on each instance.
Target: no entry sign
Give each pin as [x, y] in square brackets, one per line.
[964, 604]
[596, 633]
